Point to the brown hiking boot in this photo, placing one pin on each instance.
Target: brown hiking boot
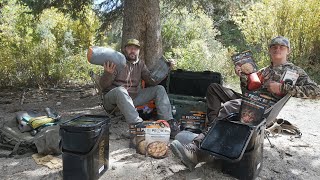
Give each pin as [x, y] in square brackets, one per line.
[174, 127]
[187, 153]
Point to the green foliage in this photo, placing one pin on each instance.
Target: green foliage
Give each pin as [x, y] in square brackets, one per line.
[44, 50]
[42, 43]
[189, 38]
[296, 19]
[231, 36]
[77, 9]
[108, 11]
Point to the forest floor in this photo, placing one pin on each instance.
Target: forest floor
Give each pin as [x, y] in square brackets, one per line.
[290, 158]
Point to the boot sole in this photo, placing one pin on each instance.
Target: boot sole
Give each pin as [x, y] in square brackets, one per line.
[178, 152]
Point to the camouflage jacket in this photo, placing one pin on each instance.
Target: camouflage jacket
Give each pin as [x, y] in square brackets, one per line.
[303, 88]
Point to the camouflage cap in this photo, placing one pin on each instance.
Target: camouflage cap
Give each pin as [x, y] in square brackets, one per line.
[133, 42]
[280, 40]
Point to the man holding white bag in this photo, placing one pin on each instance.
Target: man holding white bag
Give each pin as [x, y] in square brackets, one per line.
[123, 88]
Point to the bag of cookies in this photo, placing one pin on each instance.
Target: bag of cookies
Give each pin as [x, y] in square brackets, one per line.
[245, 61]
[138, 139]
[153, 140]
[132, 133]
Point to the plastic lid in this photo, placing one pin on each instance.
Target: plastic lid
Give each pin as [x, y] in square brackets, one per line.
[85, 121]
[227, 140]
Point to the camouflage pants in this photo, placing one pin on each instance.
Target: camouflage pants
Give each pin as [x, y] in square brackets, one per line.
[217, 95]
[221, 102]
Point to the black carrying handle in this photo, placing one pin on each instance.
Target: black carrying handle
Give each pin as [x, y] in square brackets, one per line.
[83, 156]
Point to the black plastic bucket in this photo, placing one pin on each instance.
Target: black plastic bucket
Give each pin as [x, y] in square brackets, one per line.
[250, 165]
[85, 147]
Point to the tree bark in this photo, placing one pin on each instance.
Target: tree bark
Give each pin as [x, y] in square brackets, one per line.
[142, 21]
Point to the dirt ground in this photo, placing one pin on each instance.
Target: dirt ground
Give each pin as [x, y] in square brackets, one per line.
[291, 158]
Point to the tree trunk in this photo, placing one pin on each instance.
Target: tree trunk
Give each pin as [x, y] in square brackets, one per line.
[142, 21]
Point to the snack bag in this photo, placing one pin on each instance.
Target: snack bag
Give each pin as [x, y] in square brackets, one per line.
[153, 140]
[194, 121]
[245, 61]
[139, 137]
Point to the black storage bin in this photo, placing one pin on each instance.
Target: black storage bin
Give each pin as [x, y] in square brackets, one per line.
[187, 91]
[239, 146]
[192, 83]
[250, 165]
[85, 147]
[185, 104]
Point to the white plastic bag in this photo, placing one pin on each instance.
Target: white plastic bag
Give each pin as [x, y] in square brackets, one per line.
[99, 55]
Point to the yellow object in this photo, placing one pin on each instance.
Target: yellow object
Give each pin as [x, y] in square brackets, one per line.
[39, 121]
[48, 160]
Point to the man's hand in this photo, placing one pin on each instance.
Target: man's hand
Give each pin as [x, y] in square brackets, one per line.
[172, 63]
[274, 87]
[109, 67]
[237, 70]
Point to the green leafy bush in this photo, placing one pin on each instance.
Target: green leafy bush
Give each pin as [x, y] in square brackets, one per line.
[42, 50]
[296, 19]
[189, 38]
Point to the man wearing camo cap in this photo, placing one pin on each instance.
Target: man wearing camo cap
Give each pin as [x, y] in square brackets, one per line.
[272, 85]
[122, 89]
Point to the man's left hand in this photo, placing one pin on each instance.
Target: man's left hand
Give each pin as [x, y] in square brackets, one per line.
[172, 63]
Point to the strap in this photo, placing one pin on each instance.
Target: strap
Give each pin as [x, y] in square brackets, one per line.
[291, 129]
[15, 149]
[281, 125]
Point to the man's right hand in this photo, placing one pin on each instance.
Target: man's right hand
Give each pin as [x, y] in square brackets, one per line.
[109, 67]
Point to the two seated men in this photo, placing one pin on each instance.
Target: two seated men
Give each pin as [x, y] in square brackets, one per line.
[122, 90]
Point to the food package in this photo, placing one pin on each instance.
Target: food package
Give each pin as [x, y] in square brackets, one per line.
[137, 132]
[153, 139]
[194, 121]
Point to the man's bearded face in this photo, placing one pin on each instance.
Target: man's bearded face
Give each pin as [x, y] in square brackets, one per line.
[132, 52]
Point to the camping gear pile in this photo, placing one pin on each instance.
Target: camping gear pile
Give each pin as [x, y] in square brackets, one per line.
[31, 132]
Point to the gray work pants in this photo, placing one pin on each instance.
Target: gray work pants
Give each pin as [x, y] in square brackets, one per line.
[119, 96]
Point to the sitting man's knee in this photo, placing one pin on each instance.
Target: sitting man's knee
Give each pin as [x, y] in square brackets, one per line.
[160, 88]
[232, 106]
[117, 92]
[121, 90]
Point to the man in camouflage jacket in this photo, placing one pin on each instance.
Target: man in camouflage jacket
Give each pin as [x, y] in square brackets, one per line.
[271, 85]
[279, 49]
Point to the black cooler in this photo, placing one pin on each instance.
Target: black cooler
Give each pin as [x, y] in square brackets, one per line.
[239, 146]
[187, 91]
[85, 147]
